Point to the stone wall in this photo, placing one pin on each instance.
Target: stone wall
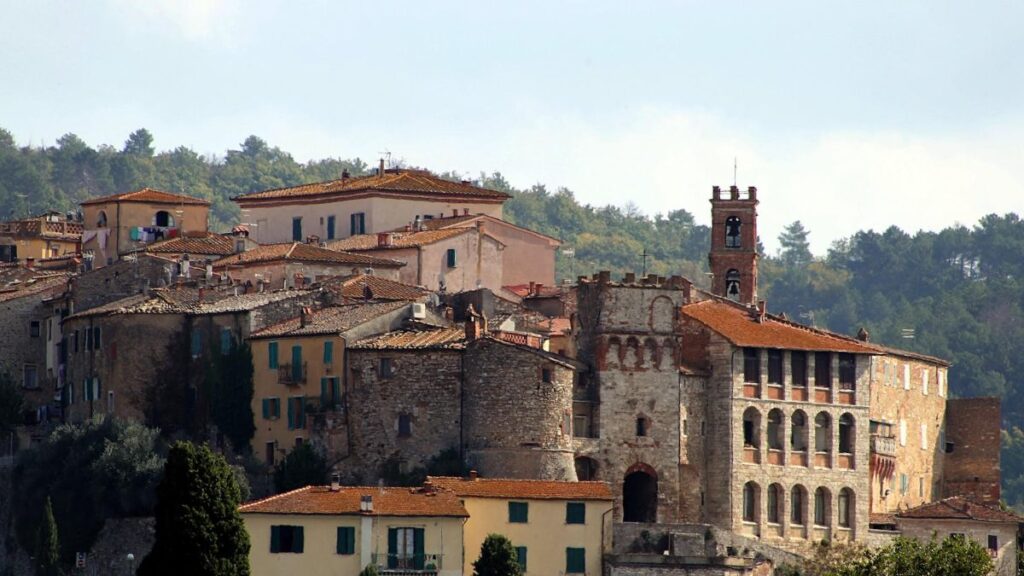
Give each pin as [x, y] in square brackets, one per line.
[18, 348]
[119, 280]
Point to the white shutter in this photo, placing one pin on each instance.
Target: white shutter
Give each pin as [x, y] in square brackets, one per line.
[924, 381]
[903, 432]
[906, 376]
[924, 436]
[940, 376]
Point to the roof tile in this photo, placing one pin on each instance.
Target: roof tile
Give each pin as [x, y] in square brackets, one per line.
[330, 320]
[148, 195]
[210, 244]
[960, 508]
[299, 252]
[354, 287]
[418, 182]
[445, 338]
[399, 240]
[346, 501]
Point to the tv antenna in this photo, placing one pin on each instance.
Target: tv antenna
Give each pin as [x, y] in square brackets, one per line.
[735, 167]
[387, 157]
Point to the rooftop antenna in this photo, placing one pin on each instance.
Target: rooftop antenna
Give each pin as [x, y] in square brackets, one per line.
[387, 157]
[734, 169]
[645, 256]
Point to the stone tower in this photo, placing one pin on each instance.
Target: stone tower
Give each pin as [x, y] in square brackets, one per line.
[733, 256]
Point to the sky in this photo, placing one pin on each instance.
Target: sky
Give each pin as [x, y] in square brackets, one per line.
[846, 116]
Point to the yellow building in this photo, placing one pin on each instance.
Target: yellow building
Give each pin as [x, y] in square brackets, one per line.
[47, 236]
[332, 531]
[556, 527]
[299, 368]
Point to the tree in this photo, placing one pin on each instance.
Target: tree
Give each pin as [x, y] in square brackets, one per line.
[302, 466]
[198, 528]
[47, 551]
[953, 556]
[796, 250]
[11, 403]
[497, 558]
[231, 395]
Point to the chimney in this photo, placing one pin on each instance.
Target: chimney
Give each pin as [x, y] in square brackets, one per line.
[380, 171]
[538, 288]
[345, 175]
[417, 223]
[476, 324]
[335, 482]
[762, 310]
[383, 239]
[30, 263]
[366, 503]
[533, 286]
[474, 475]
[863, 335]
[465, 211]
[304, 315]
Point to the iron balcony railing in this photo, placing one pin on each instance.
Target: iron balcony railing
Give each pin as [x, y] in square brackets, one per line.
[408, 564]
[291, 374]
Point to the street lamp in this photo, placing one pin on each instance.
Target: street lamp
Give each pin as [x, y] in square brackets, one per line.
[131, 563]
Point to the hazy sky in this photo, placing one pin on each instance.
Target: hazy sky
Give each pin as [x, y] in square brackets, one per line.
[845, 115]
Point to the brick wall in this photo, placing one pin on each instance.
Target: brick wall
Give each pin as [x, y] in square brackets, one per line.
[973, 468]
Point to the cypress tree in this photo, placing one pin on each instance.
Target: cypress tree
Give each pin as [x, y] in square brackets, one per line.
[47, 552]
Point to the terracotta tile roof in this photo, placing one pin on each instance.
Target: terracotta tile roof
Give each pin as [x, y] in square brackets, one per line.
[353, 287]
[33, 287]
[186, 300]
[524, 489]
[960, 508]
[399, 182]
[444, 338]
[470, 220]
[330, 320]
[565, 361]
[346, 501]
[399, 240]
[523, 291]
[208, 244]
[879, 518]
[148, 195]
[738, 325]
[299, 252]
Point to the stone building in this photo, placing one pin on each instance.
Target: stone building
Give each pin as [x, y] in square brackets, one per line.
[295, 264]
[45, 236]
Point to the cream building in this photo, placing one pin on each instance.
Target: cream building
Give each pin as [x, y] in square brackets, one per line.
[329, 531]
[556, 527]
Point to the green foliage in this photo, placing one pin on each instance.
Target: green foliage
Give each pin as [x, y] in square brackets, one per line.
[497, 558]
[954, 556]
[47, 550]
[198, 528]
[303, 466]
[796, 250]
[11, 403]
[231, 392]
[447, 462]
[370, 570]
[98, 470]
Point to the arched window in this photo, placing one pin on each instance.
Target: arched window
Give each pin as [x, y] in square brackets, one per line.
[732, 284]
[751, 504]
[586, 469]
[845, 507]
[774, 503]
[797, 504]
[822, 432]
[822, 501]
[775, 437]
[798, 432]
[732, 232]
[847, 434]
[101, 219]
[752, 428]
[163, 218]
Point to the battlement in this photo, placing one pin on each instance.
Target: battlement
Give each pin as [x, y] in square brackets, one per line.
[749, 195]
[632, 280]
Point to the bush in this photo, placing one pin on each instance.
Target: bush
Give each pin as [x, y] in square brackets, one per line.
[497, 558]
[303, 466]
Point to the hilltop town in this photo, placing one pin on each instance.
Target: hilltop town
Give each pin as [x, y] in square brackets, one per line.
[400, 327]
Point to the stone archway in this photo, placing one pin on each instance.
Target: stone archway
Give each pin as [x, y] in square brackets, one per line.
[640, 494]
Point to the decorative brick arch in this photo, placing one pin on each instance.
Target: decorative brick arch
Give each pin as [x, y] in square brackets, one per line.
[662, 316]
[642, 467]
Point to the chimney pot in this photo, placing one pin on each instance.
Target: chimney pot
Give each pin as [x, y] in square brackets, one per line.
[344, 174]
[335, 482]
[473, 475]
[533, 287]
[455, 212]
[465, 211]
[383, 239]
[863, 335]
[380, 171]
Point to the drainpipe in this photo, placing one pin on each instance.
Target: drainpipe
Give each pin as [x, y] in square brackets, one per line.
[604, 523]
[117, 239]
[462, 407]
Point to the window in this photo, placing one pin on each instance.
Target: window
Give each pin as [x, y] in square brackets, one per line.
[732, 284]
[575, 560]
[940, 378]
[774, 501]
[284, 539]
[31, 377]
[163, 219]
[96, 338]
[732, 232]
[330, 227]
[346, 540]
[451, 258]
[751, 428]
[821, 503]
[904, 484]
[641, 426]
[88, 338]
[575, 513]
[387, 368]
[775, 366]
[226, 340]
[297, 229]
[271, 451]
[903, 432]
[76, 341]
[196, 343]
[330, 391]
[271, 408]
[796, 515]
[822, 432]
[357, 223]
[798, 364]
[328, 352]
[521, 557]
[750, 502]
[297, 364]
[847, 371]
[751, 366]
[845, 503]
[545, 375]
[959, 535]
[404, 426]
[272, 355]
[822, 369]
[33, 329]
[101, 219]
[846, 434]
[297, 413]
[798, 432]
[920, 487]
[110, 402]
[775, 438]
[993, 542]
[518, 512]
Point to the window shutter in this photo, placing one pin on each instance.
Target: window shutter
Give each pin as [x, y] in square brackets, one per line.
[86, 396]
[575, 513]
[296, 363]
[297, 229]
[575, 560]
[330, 227]
[277, 407]
[275, 539]
[272, 355]
[417, 549]
[346, 540]
[325, 397]
[302, 412]
[297, 539]
[521, 557]
[266, 408]
[97, 390]
[328, 352]
[197, 343]
[392, 548]
[291, 414]
[451, 258]
[96, 337]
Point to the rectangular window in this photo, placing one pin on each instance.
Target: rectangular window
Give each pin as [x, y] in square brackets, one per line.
[357, 223]
[271, 450]
[521, 557]
[387, 368]
[941, 380]
[545, 375]
[88, 339]
[903, 432]
[798, 364]
[451, 258]
[346, 540]
[328, 352]
[31, 377]
[297, 413]
[297, 363]
[920, 487]
[751, 366]
[197, 343]
[404, 425]
[518, 512]
[330, 227]
[76, 341]
[775, 366]
[575, 560]
[904, 484]
[924, 436]
[575, 513]
[271, 408]
[993, 542]
[847, 371]
[286, 539]
[297, 229]
[822, 370]
[405, 548]
[33, 329]
[272, 355]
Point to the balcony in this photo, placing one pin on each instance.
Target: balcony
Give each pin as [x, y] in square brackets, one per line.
[408, 564]
[883, 445]
[291, 375]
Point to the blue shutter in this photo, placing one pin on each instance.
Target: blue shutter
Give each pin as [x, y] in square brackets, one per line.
[277, 407]
[296, 363]
[297, 229]
[451, 258]
[297, 539]
[575, 560]
[266, 408]
[272, 354]
[324, 397]
[330, 227]
[575, 513]
[392, 548]
[417, 549]
[302, 412]
[328, 352]
[197, 343]
[346, 540]
[275, 539]
[291, 414]
[521, 557]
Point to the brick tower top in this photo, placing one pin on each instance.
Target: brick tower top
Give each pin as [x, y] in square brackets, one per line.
[733, 256]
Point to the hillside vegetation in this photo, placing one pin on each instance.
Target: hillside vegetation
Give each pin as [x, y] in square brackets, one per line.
[957, 293]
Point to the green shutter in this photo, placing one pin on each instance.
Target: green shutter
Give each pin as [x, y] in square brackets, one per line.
[302, 412]
[197, 342]
[575, 560]
[346, 540]
[518, 512]
[296, 363]
[328, 352]
[266, 408]
[521, 557]
[272, 354]
[575, 513]
[417, 549]
[291, 414]
[275, 539]
[325, 397]
[297, 539]
[451, 258]
[86, 392]
[277, 407]
[392, 548]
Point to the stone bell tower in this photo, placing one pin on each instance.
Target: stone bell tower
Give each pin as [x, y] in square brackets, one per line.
[733, 256]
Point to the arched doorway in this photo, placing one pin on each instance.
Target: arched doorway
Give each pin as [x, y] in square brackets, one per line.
[640, 495]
